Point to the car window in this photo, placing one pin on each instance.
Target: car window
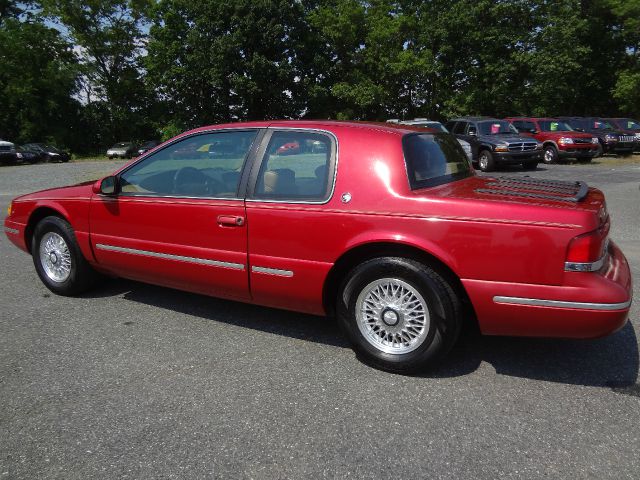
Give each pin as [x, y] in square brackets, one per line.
[296, 166]
[434, 159]
[496, 127]
[472, 129]
[460, 128]
[205, 165]
[554, 126]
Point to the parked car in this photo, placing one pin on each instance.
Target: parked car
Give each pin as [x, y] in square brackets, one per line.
[122, 150]
[390, 229]
[496, 142]
[27, 155]
[148, 145]
[628, 126]
[610, 140]
[47, 153]
[439, 127]
[8, 153]
[559, 140]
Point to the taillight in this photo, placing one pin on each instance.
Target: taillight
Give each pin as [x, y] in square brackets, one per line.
[586, 252]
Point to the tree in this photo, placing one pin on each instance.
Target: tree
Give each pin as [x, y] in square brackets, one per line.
[215, 61]
[37, 83]
[109, 40]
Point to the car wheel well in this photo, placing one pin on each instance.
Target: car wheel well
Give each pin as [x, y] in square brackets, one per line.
[349, 260]
[549, 144]
[37, 215]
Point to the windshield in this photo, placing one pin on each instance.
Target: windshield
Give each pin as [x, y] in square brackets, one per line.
[599, 124]
[50, 148]
[554, 126]
[629, 124]
[434, 159]
[496, 127]
[433, 125]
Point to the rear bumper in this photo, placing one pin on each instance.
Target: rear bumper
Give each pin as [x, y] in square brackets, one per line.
[588, 305]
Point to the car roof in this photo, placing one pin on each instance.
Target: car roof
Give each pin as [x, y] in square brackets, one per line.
[472, 119]
[330, 125]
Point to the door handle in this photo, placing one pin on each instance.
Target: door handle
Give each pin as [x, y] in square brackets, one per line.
[230, 220]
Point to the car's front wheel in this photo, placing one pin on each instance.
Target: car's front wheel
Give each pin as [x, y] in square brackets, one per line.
[486, 161]
[58, 259]
[400, 315]
[550, 155]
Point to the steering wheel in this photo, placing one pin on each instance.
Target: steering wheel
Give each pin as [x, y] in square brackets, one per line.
[191, 181]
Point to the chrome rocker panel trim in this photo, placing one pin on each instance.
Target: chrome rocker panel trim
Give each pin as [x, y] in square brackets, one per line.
[538, 302]
[168, 256]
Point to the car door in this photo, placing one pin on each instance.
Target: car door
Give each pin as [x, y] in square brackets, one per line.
[178, 218]
[289, 184]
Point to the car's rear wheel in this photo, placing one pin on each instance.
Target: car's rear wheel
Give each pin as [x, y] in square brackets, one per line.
[486, 161]
[400, 315]
[550, 155]
[58, 259]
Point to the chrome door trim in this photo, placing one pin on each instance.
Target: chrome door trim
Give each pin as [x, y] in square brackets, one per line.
[168, 256]
[272, 271]
[538, 302]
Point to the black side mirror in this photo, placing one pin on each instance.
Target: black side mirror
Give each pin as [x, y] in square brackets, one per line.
[109, 186]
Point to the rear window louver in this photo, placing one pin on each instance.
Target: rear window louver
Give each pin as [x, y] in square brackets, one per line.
[557, 190]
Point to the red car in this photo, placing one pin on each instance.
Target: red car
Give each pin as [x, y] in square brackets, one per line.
[385, 226]
[559, 139]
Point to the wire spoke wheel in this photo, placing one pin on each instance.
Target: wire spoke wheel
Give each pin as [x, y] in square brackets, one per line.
[392, 316]
[55, 257]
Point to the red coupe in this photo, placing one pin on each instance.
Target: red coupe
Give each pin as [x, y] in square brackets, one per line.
[385, 226]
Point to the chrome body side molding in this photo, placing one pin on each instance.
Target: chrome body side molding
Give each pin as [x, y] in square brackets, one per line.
[538, 302]
[168, 256]
[272, 271]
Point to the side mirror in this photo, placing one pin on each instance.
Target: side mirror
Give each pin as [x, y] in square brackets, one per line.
[106, 186]
[472, 132]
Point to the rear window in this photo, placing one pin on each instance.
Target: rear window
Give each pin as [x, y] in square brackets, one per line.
[434, 159]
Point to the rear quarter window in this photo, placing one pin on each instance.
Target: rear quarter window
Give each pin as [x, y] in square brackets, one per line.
[434, 159]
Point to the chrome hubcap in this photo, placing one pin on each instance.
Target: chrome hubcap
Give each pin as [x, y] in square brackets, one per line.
[55, 257]
[483, 162]
[548, 156]
[392, 316]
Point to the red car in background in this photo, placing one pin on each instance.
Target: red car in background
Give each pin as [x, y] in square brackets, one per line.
[559, 140]
[385, 226]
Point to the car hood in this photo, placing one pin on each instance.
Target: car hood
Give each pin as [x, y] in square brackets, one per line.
[505, 138]
[567, 134]
[79, 191]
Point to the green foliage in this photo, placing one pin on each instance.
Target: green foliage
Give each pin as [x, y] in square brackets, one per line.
[116, 70]
[37, 83]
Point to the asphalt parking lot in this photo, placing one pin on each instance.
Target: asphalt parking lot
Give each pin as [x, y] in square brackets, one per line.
[137, 381]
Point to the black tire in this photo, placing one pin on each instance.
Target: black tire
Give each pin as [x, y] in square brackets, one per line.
[81, 276]
[600, 151]
[442, 304]
[550, 155]
[486, 161]
[530, 165]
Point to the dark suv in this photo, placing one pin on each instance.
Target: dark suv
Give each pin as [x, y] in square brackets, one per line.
[495, 142]
[610, 140]
[628, 126]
